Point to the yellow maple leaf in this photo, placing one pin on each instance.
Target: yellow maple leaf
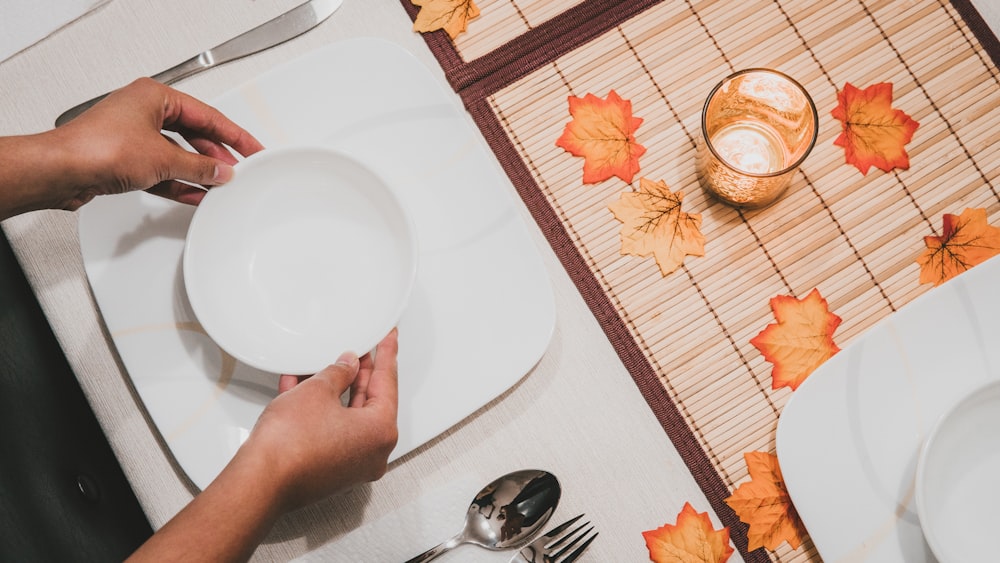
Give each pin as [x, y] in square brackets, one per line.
[968, 239]
[449, 15]
[653, 224]
[763, 503]
[692, 539]
[800, 341]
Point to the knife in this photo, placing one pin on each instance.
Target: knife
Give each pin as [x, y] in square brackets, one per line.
[289, 25]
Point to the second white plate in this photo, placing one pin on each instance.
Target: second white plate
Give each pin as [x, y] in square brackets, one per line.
[849, 438]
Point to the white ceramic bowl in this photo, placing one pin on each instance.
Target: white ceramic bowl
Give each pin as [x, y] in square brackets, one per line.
[303, 255]
[956, 488]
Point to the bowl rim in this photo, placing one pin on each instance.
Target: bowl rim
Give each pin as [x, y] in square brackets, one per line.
[933, 436]
[190, 272]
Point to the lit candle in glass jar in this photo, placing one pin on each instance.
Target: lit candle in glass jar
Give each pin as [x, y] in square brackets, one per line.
[757, 127]
[750, 147]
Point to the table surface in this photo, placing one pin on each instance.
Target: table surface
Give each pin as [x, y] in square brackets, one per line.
[619, 467]
[577, 413]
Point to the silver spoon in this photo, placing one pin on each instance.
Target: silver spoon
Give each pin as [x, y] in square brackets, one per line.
[506, 513]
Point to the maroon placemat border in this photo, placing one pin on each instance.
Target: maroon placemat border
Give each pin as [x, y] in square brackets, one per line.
[523, 55]
[476, 80]
[979, 28]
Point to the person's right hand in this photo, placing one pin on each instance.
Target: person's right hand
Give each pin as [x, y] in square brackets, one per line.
[315, 445]
[305, 446]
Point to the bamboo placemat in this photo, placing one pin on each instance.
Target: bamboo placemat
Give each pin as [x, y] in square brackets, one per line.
[686, 337]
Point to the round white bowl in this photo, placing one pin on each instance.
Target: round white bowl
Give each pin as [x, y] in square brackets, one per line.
[956, 489]
[303, 255]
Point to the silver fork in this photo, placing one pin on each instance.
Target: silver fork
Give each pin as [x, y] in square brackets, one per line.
[553, 546]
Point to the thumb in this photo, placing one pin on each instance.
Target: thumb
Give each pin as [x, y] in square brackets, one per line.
[199, 169]
[340, 375]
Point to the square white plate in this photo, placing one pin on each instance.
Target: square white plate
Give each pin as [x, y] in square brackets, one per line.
[849, 438]
[481, 313]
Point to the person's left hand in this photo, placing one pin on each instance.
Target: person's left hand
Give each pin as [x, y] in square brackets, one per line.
[118, 145]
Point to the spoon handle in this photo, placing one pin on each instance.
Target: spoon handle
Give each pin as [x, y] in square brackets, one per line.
[437, 550]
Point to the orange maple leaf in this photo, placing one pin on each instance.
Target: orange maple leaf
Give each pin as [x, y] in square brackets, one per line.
[763, 503]
[603, 133]
[691, 540]
[968, 239]
[873, 133]
[653, 224]
[800, 341]
[449, 15]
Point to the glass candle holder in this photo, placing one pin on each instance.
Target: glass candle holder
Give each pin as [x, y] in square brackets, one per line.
[757, 127]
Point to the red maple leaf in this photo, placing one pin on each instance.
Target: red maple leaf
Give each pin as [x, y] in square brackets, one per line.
[603, 133]
[800, 341]
[764, 504]
[692, 539]
[874, 134]
[967, 240]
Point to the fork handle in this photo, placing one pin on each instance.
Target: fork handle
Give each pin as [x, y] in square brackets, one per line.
[437, 550]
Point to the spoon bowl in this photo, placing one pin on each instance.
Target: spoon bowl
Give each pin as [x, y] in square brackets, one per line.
[506, 514]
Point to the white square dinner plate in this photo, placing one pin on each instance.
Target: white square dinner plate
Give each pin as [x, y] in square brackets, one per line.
[481, 312]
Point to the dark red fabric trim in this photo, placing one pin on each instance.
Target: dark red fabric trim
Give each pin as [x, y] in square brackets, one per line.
[542, 45]
[979, 28]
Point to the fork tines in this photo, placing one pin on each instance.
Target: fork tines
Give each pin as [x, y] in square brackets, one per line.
[556, 539]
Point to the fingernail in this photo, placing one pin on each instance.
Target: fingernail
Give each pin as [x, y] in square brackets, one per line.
[348, 359]
[223, 173]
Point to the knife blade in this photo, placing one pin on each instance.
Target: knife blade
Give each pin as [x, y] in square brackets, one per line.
[273, 32]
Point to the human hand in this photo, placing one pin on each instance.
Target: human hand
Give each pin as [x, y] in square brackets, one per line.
[305, 446]
[313, 444]
[118, 145]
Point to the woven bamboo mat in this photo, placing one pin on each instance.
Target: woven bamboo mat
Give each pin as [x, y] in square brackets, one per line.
[686, 337]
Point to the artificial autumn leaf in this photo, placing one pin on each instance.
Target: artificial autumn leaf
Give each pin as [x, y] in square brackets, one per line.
[653, 224]
[603, 133]
[800, 341]
[691, 540]
[873, 133]
[449, 15]
[967, 240]
[763, 503]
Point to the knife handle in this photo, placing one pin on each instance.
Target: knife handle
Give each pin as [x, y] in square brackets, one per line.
[191, 66]
[194, 65]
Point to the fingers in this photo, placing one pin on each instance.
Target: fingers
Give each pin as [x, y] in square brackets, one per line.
[340, 375]
[197, 168]
[179, 192]
[383, 387]
[211, 148]
[359, 389]
[287, 382]
[183, 112]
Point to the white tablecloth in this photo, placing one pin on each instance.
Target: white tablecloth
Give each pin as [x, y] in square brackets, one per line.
[26, 22]
[577, 414]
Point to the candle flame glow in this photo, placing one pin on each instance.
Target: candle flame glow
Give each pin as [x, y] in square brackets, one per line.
[749, 147]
